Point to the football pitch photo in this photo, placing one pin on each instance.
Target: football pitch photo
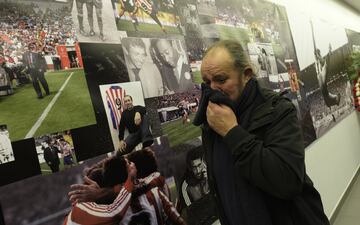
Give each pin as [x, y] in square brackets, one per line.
[126, 25]
[68, 106]
[179, 132]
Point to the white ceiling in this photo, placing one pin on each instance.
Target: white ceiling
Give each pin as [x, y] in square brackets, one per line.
[354, 3]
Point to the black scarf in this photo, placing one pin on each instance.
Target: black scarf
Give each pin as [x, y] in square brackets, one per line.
[248, 100]
[242, 107]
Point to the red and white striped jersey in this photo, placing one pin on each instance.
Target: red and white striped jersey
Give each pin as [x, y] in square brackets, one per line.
[152, 207]
[115, 102]
[90, 213]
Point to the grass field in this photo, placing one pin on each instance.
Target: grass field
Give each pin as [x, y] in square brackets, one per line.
[145, 27]
[197, 77]
[180, 133]
[72, 109]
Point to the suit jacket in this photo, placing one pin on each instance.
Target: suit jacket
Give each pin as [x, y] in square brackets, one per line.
[171, 83]
[51, 155]
[147, 75]
[34, 60]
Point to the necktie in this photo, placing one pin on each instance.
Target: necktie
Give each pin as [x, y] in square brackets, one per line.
[136, 73]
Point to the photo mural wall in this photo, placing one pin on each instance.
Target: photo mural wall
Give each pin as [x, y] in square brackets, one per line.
[72, 71]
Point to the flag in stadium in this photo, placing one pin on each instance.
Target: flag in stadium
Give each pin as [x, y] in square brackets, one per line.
[114, 98]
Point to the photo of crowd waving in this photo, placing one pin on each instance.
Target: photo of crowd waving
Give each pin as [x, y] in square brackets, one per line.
[39, 54]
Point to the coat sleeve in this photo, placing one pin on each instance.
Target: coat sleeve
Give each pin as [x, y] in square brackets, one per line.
[91, 213]
[274, 163]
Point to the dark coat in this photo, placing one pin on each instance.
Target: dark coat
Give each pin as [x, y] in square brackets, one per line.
[270, 156]
[185, 82]
[38, 61]
[51, 155]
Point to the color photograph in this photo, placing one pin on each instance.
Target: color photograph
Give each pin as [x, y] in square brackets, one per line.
[176, 113]
[42, 61]
[126, 114]
[147, 18]
[55, 152]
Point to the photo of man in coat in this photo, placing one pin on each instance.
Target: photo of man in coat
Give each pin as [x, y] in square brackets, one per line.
[36, 66]
[51, 156]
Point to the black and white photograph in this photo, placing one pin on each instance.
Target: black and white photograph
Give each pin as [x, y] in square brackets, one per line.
[190, 19]
[164, 60]
[141, 66]
[195, 202]
[322, 60]
[262, 56]
[94, 21]
[55, 152]
[127, 116]
[184, 168]
[6, 151]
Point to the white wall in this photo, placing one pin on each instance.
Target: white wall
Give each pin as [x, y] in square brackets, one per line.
[332, 160]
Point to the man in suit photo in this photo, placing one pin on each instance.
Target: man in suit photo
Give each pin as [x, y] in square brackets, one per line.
[141, 67]
[173, 65]
[36, 66]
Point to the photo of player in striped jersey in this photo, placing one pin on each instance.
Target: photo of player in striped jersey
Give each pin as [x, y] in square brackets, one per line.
[140, 193]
